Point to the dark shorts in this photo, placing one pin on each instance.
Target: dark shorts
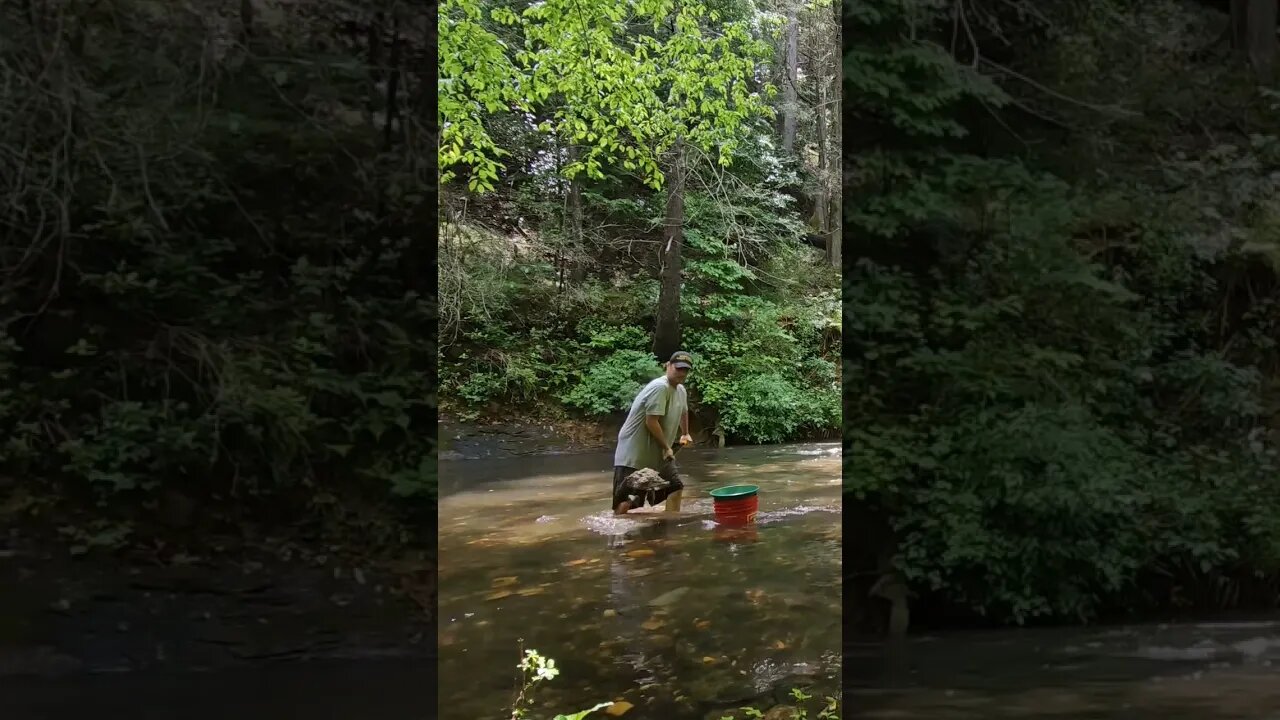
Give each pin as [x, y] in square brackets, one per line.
[669, 472]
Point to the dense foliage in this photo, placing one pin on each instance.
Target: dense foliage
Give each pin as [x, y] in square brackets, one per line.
[550, 253]
[1061, 321]
[212, 277]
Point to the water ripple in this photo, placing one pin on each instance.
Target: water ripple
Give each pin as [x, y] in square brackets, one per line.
[775, 515]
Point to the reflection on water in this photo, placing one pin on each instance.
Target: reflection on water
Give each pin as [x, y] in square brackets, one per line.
[671, 614]
[1179, 672]
[366, 690]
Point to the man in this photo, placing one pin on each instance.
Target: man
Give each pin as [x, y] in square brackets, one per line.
[659, 414]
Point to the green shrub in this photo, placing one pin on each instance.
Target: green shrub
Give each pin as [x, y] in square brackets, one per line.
[610, 385]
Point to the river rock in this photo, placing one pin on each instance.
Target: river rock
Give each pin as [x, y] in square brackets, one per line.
[732, 714]
[782, 689]
[646, 480]
[687, 649]
[662, 642]
[721, 686]
[781, 712]
[43, 661]
[794, 601]
[669, 598]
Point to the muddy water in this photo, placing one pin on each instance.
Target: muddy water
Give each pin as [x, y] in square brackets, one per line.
[674, 615]
[368, 690]
[1225, 671]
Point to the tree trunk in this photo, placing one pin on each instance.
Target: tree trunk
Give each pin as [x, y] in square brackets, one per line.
[1239, 18]
[246, 21]
[375, 63]
[666, 332]
[822, 203]
[789, 104]
[574, 201]
[1262, 38]
[393, 88]
[837, 155]
[1253, 35]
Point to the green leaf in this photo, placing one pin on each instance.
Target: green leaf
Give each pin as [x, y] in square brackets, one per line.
[584, 713]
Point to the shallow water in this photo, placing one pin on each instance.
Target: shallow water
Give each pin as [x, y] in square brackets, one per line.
[367, 690]
[676, 616]
[1226, 671]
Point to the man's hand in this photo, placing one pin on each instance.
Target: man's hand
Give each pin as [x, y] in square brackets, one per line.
[668, 454]
[686, 439]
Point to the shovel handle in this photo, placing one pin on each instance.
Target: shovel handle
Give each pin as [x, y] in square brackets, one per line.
[675, 448]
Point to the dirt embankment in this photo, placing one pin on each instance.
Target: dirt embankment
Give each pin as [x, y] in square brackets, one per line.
[513, 436]
[500, 433]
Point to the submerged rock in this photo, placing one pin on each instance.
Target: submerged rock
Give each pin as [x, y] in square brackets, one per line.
[738, 713]
[794, 601]
[662, 642]
[782, 689]
[669, 598]
[43, 661]
[758, 710]
[721, 686]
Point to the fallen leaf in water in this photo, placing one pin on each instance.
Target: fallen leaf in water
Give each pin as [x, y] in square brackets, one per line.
[618, 708]
[653, 623]
[610, 613]
[530, 591]
[498, 595]
[504, 581]
[571, 563]
[708, 660]
[779, 645]
[702, 624]
[641, 552]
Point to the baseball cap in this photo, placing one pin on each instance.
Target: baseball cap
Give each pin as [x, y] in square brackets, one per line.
[682, 359]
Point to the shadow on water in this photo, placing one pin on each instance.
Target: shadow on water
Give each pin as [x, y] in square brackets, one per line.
[1165, 672]
[316, 691]
[672, 614]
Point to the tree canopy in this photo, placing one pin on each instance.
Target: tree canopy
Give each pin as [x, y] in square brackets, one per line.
[615, 186]
[1060, 364]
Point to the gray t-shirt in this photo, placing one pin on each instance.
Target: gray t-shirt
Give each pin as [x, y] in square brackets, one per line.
[636, 447]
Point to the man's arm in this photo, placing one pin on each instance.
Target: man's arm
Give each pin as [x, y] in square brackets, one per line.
[654, 424]
[684, 423]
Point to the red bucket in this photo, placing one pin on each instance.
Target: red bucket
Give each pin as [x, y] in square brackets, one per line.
[735, 513]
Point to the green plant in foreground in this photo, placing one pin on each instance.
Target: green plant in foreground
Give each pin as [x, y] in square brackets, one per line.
[534, 668]
[830, 711]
